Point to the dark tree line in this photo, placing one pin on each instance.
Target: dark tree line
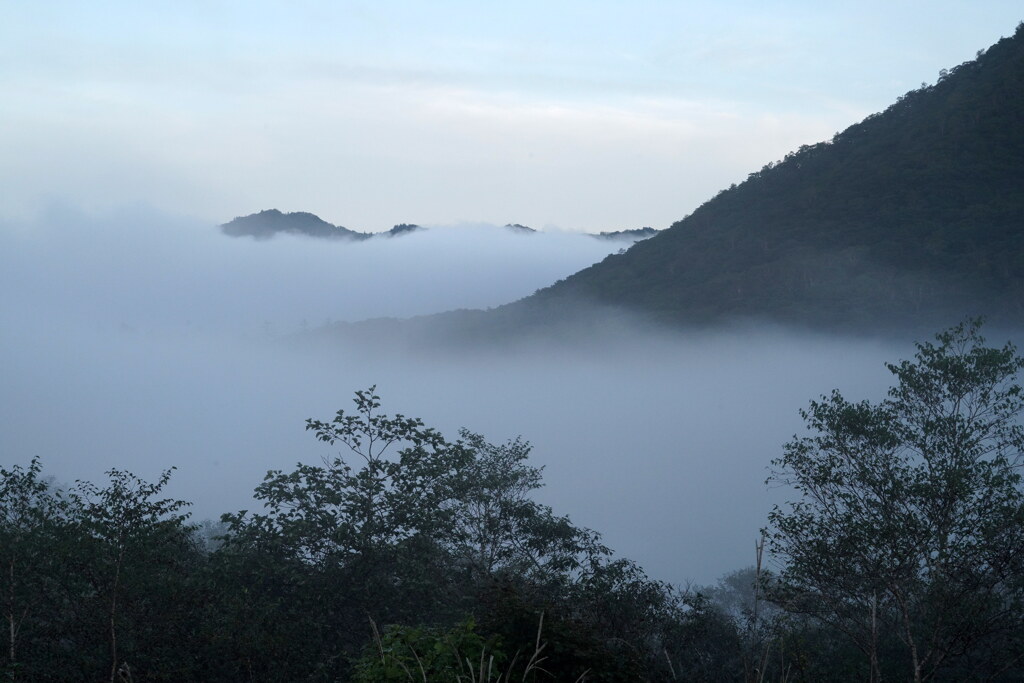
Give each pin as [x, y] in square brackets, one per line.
[411, 557]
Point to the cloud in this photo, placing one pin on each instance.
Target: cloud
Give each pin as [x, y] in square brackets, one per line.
[141, 340]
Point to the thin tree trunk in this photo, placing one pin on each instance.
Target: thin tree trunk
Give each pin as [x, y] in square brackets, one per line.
[10, 610]
[113, 615]
[910, 638]
[875, 674]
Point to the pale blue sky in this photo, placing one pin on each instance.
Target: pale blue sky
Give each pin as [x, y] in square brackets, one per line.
[580, 115]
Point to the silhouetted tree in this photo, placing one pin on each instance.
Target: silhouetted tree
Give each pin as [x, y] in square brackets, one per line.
[910, 521]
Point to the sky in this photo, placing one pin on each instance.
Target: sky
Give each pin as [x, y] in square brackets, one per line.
[584, 115]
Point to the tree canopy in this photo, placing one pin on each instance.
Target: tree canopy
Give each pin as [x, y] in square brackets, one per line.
[910, 517]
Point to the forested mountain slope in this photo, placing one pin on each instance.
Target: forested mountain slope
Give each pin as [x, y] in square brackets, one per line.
[912, 216]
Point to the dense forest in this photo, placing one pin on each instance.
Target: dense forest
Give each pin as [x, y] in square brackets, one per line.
[912, 217]
[411, 557]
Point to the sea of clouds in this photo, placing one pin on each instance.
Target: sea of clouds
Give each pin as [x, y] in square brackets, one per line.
[141, 340]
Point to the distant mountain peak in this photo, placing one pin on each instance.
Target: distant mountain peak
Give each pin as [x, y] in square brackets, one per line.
[403, 228]
[516, 227]
[270, 222]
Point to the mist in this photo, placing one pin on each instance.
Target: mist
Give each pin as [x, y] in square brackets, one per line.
[142, 341]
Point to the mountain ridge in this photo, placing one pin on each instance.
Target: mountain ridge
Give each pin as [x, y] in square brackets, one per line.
[915, 214]
[268, 223]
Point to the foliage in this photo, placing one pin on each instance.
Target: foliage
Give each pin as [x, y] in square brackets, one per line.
[499, 529]
[430, 654]
[133, 551]
[94, 581]
[328, 514]
[910, 522]
[422, 530]
[33, 520]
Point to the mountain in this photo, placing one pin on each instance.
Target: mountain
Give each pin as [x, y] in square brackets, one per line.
[266, 224]
[403, 228]
[913, 216]
[516, 227]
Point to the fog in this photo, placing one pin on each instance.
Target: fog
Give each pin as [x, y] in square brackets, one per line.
[140, 340]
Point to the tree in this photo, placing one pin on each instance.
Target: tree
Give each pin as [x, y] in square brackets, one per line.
[910, 521]
[499, 528]
[33, 525]
[131, 542]
[331, 513]
[409, 528]
[374, 518]
[92, 577]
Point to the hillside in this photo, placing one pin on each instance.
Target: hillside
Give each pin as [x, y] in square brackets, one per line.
[912, 216]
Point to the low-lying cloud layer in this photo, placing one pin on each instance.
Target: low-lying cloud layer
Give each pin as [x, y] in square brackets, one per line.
[137, 270]
[143, 341]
